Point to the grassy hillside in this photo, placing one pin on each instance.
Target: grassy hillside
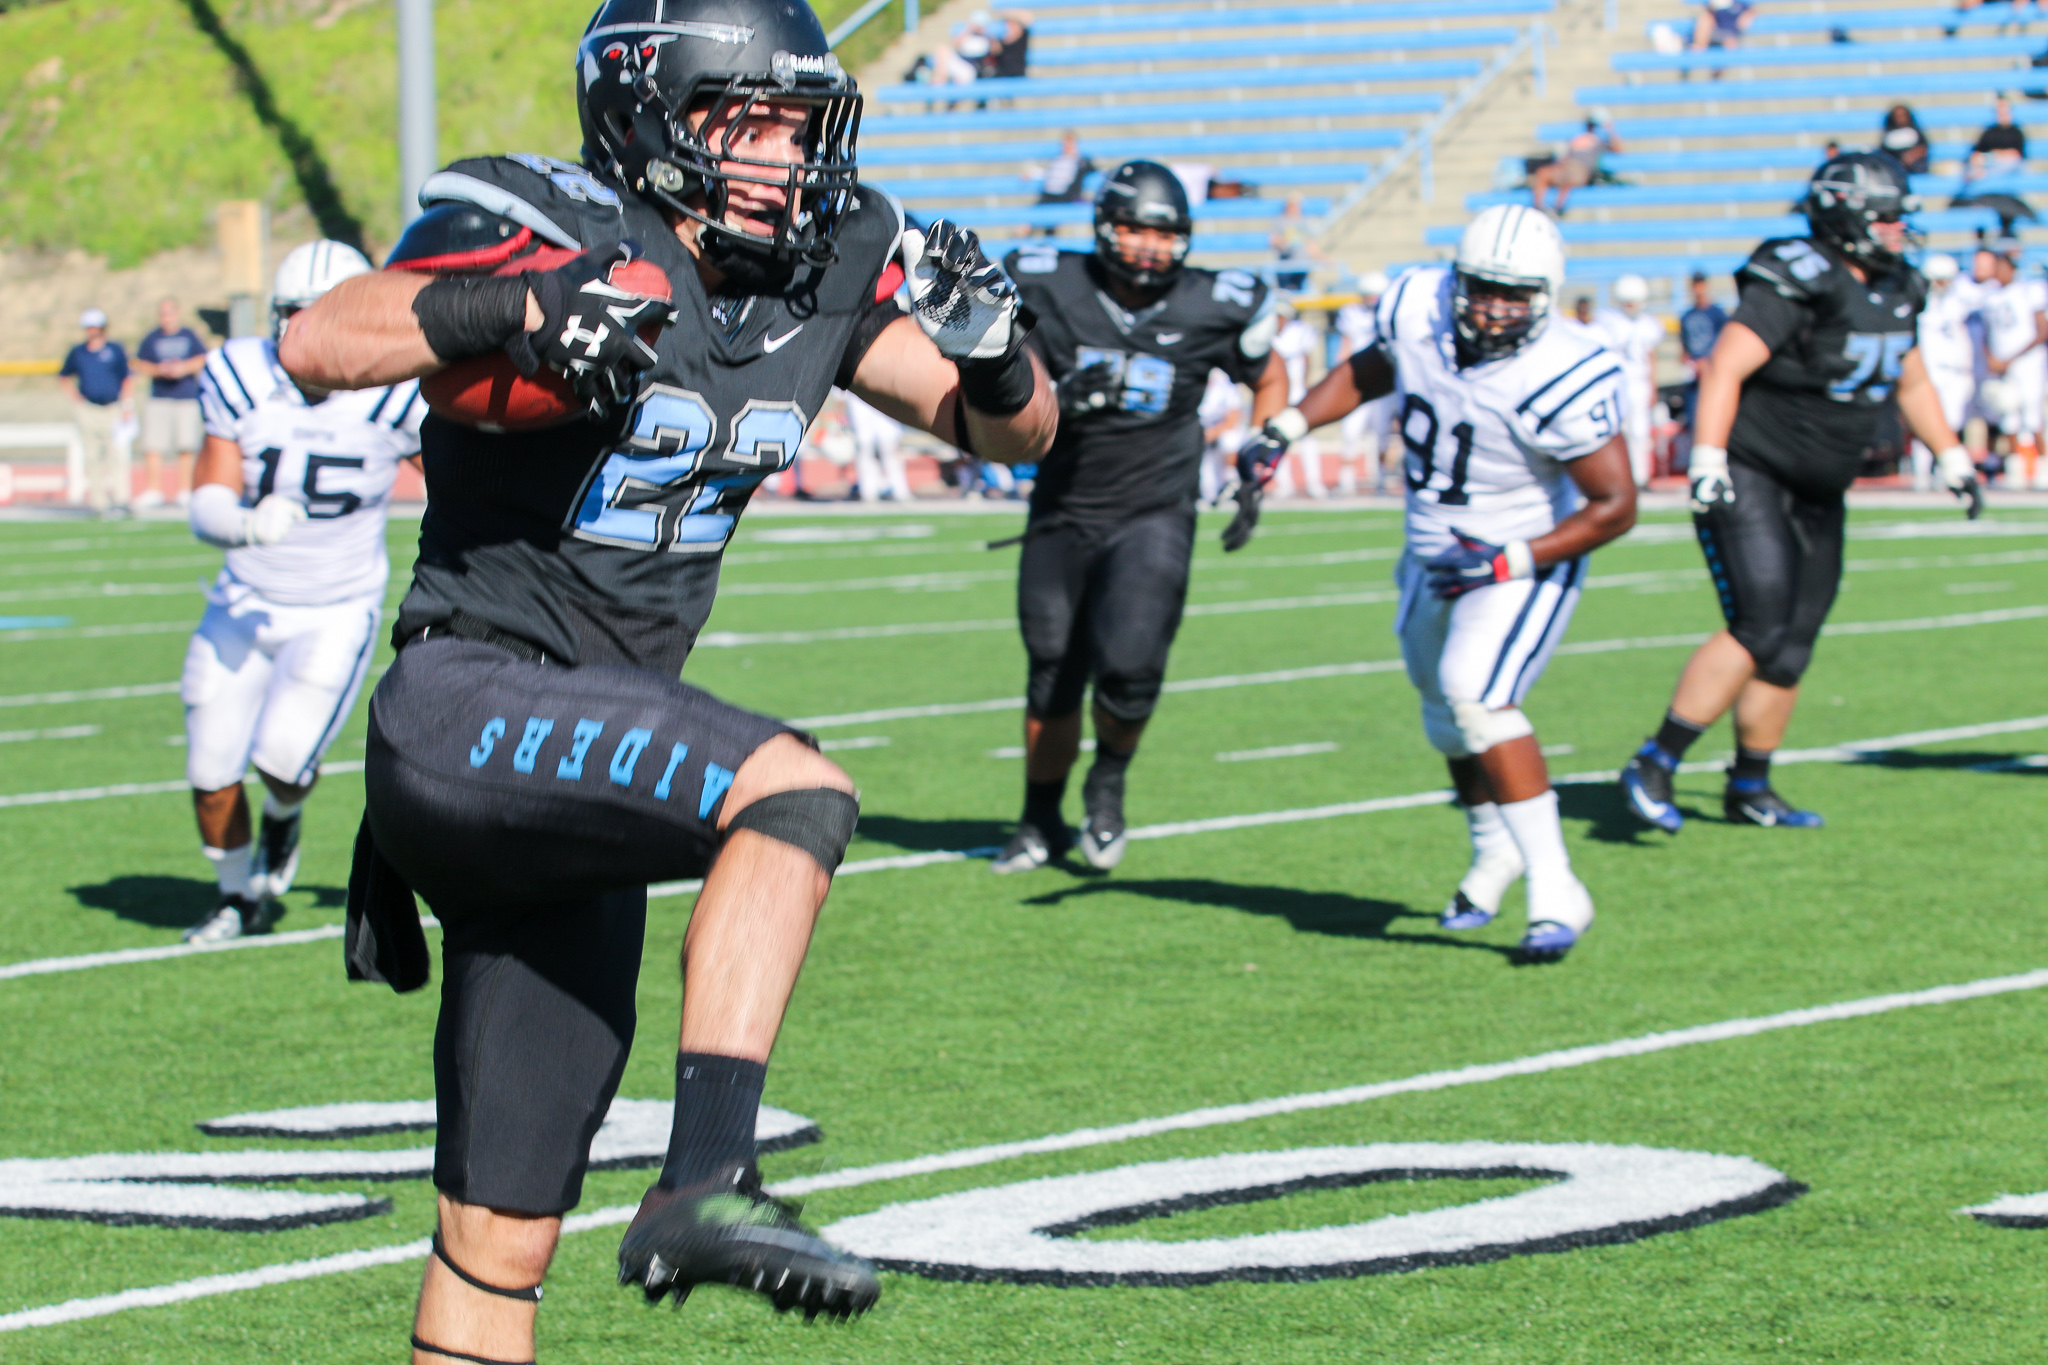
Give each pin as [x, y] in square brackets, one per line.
[122, 122]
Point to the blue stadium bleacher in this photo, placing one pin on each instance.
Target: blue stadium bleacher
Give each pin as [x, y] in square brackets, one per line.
[1802, 122]
[1247, 16]
[1284, 146]
[1072, 215]
[1322, 110]
[1149, 55]
[1892, 87]
[1206, 78]
[960, 188]
[1752, 228]
[1768, 22]
[1731, 192]
[1829, 54]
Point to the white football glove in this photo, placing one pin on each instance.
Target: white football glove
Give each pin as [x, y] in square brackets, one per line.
[272, 519]
[962, 300]
[1710, 482]
[1959, 476]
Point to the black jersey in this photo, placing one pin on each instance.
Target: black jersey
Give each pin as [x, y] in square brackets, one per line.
[1145, 452]
[600, 542]
[1836, 346]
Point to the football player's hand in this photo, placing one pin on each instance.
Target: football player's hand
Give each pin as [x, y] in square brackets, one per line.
[1092, 388]
[1474, 563]
[1708, 473]
[963, 301]
[1258, 458]
[272, 519]
[590, 327]
[1238, 534]
[1959, 476]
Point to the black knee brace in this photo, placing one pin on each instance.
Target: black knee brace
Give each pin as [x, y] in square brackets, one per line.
[1130, 698]
[818, 820]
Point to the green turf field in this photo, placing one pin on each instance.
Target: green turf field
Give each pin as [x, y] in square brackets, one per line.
[944, 1008]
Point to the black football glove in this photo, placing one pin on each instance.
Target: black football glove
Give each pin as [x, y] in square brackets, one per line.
[1238, 534]
[1257, 461]
[590, 328]
[1473, 563]
[1095, 387]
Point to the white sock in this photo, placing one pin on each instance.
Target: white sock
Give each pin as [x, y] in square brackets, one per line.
[1496, 861]
[1554, 893]
[230, 867]
[274, 809]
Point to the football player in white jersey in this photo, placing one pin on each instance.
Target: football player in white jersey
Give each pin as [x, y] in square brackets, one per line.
[1949, 338]
[1294, 343]
[293, 483]
[1517, 467]
[1633, 336]
[1222, 415]
[2015, 315]
[1367, 430]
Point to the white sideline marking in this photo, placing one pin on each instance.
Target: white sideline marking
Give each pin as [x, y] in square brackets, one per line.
[855, 742]
[347, 765]
[1563, 1059]
[90, 694]
[33, 633]
[1326, 746]
[59, 732]
[102, 590]
[43, 965]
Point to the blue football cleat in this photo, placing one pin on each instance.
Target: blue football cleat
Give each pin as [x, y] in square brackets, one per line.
[1547, 941]
[1646, 782]
[1461, 913]
[1760, 805]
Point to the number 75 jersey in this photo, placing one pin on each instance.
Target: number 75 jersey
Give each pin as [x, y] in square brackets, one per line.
[338, 458]
[1486, 447]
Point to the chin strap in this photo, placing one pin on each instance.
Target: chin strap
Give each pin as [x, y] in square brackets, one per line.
[530, 1294]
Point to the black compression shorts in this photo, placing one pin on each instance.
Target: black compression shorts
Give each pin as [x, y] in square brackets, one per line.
[1776, 559]
[1103, 602]
[531, 805]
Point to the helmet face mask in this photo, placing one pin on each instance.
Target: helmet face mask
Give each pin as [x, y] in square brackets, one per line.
[666, 104]
[1497, 317]
[1147, 197]
[1505, 281]
[1858, 204]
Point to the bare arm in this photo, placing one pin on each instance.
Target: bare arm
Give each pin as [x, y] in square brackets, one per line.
[1920, 405]
[1739, 354]
[220, 461]
[904, 375]
[1610, 508]
[363, 334]
[1269, 392]
[1364, 377]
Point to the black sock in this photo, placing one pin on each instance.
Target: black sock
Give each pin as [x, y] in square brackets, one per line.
[1105, 783]
[1676, 735]
[1752, 769]
[717, 1102]
[1042, 804]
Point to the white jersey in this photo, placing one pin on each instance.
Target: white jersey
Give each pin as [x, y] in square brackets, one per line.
[1294, 344]
[1486, 446]
[1355, 325]
[1949, 331]
[338, 458]
[2008, 312]
[1634, 341]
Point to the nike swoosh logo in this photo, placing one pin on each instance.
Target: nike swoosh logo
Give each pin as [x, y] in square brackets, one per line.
[770, 345]
[1168, 338]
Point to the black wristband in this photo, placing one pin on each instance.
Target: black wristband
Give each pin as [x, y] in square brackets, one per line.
[998, 388]
[464, 315]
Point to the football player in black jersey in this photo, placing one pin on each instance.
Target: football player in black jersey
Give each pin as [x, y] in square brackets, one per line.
[1823, 341]
[1131, 335]
[533, 760]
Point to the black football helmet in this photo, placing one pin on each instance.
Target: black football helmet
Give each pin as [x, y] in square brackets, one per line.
[1850, 193]
[645, 65]
[1142, 194]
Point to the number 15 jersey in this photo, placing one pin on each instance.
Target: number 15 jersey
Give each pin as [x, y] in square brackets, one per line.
[1487, 445]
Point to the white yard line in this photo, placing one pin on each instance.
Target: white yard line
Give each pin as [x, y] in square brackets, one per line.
[156, 689]
[34, 633]
[348, 765]
[1562, 1059]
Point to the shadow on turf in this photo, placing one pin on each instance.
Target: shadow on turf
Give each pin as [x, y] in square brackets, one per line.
[175, 902]
[928, 836]
[1310, 912]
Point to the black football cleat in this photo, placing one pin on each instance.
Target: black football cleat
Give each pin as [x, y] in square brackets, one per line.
[728, 1231]
[1030, 849]
[1763, 806]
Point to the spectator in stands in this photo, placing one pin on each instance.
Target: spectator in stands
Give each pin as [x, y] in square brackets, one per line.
[1699, 327]
[2001, 146]
[171, 357]
[1721, 24]
[1010, 33]
[97, 377]
[1904, 138]
[1293, 249]
[1579, 164]
[1065, 179]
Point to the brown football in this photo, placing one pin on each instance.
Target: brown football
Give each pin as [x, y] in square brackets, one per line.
[488, 392]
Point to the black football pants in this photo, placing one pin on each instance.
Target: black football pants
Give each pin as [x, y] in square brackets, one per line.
[1776, 559]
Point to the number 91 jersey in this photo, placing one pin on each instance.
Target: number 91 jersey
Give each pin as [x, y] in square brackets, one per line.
[338, 458]
[1486, 446]
[1837, 344]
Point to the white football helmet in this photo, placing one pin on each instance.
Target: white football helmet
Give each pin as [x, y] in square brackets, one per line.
[1940, 268]
[306, 273]
[1507, 245]
[1631, 292]
[1373, 283]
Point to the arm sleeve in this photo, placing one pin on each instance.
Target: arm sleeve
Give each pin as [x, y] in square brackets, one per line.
[1765, 310]
[882, 310]
[1255, 341]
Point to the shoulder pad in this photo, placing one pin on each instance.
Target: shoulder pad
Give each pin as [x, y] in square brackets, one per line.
[1794, 266]
[1238, 291]
[457, 238]
[551, 197]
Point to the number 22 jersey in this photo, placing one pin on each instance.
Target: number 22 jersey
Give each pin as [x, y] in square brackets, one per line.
[1837, 344]
[1487, 445]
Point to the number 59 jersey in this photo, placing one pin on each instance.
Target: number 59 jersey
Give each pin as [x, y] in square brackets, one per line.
[1487, 445]
[1837, 344]
[338, 458]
